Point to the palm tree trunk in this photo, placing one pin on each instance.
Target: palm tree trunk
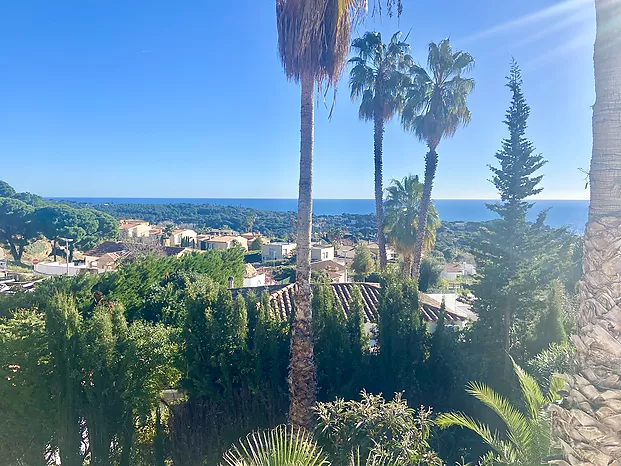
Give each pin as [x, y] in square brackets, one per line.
[54, 250]
[302, 370]
[590, 427]
[378, 138]
[431, 163]
[407, 266]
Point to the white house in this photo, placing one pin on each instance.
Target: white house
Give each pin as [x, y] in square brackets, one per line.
[134, 229]
[183, 236]
[276, 251]
[60, 268]
[456, 270]
[223, 242]
[321, 252]
[253, 278]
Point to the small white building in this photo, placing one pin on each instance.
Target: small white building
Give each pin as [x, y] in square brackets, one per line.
[457, 270]
[134, 229]
[186, 237]
[277, 251]
[320, 252]
[253, 278]
[223, 242]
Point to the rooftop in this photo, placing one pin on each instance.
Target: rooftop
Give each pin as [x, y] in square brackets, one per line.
[282, 300]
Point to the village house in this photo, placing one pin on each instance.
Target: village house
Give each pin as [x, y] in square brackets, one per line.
[134, 229]
[457, 270]
[183, 238]
[253, 278]
[277, 251]
[221, 232]
[223, 242]
[337, 273]
[322, 252]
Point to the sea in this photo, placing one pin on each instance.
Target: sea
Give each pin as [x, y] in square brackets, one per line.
[570, 213]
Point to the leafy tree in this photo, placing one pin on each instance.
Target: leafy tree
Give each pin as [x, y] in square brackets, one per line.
[16, 227]
[403, 207]
[363, 264]
[527, 440]
[250, 219]
[430, 270]
[335, 237]
[435, 108]
[6, 190]
[256, 244]
[30, 199]
[378, 79]
[313, 40]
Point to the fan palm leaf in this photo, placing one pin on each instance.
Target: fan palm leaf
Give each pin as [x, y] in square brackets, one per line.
[281, 446]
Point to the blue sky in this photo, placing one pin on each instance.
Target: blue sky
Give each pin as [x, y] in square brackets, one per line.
[153, 98]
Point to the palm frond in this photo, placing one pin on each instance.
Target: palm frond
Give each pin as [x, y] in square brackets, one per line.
[499, 445]
[281, 446]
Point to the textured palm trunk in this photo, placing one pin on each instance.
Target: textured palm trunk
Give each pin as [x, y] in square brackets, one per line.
[407, 266]
[302, 371]
[378, 140]
[589, 427]
[431, 163]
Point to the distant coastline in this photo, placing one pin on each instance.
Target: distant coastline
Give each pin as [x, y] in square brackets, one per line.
[572, 213]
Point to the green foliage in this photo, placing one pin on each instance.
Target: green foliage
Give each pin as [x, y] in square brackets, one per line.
[556, 359]
[6, 190]
[16, 226]
[363, 263]
[430, 270]
[551, 328]
[372, 429]
[516, 259]
[256, 244]
[403, 205]
[403, 337]
[527, 440]
[281, 446]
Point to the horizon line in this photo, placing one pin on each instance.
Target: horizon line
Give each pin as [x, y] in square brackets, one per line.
[295, 198]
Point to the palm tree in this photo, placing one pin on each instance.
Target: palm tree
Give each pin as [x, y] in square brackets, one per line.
[590, 430]
[313, 40]
[527, 441]
[378, 78]
[435, 108]
[281, 446]
[403, 206]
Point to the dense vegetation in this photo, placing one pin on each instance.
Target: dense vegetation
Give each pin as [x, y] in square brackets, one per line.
[26, 217]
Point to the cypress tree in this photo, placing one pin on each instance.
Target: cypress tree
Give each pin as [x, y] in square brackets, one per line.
[551, 328]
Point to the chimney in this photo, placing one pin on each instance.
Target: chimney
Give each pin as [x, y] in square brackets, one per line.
[231, 283]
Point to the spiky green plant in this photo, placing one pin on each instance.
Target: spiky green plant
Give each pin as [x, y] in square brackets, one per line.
[527, 440]
[281, 446]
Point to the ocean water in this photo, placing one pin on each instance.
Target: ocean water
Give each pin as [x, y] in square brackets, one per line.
[561, 212]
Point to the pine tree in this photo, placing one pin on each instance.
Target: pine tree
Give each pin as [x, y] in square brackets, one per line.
[511, 253]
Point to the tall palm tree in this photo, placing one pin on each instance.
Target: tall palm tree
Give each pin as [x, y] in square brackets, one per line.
[403, 207]
[527, 441]
[590, 429]
[435, 107]
[313, 41]
[378, 79]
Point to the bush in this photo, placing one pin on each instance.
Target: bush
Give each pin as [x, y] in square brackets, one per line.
[374, 427]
